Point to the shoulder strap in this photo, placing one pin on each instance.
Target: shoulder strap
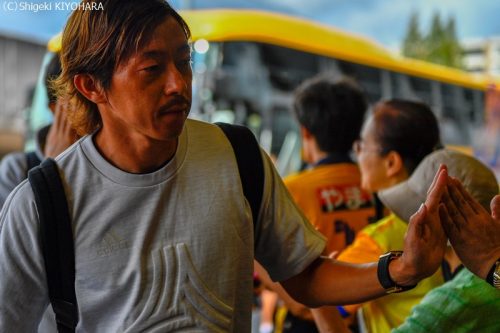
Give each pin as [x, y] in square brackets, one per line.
[32, 161]
[57, 242]
[250, 165]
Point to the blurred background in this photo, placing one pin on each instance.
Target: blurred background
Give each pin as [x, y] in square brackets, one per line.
[459, 34]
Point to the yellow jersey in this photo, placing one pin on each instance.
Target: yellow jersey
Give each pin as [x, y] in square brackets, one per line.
[388, 312]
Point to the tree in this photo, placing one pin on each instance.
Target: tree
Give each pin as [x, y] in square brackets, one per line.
[452, 51]
[413, 41]
[439, 46]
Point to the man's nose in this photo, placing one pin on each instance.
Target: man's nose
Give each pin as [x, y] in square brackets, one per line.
[176, 81]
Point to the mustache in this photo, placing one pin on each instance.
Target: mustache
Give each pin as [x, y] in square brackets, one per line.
[176, 101]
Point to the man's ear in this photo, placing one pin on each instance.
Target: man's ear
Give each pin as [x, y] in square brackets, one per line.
[394, 164]
[89, 88]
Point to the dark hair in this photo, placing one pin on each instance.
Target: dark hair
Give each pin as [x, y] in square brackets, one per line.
[96, 41]
[407, 127]
[52, 71]
[332, 111]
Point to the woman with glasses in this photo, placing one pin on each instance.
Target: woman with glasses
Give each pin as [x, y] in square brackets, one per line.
[394, 139]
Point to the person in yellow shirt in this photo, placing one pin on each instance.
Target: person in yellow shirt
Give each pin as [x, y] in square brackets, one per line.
[330, 115]
[394, 140]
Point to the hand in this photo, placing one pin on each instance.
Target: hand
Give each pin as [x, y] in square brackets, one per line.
[61, 135]
[473, 233]
[425, 240]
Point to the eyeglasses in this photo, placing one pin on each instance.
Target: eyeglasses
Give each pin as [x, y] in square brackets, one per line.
[358, 147]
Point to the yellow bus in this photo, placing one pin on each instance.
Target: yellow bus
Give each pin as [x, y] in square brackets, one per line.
[247, 63]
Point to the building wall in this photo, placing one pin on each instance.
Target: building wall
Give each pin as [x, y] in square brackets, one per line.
[20, 62]
[482, 55]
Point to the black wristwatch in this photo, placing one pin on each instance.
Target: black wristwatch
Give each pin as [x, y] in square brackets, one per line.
[383, 273]
[493, 276]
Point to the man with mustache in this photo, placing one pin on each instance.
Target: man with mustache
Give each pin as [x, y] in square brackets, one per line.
[163, 236]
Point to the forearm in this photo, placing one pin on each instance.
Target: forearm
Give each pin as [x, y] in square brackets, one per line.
[296, 308]
[331, 282]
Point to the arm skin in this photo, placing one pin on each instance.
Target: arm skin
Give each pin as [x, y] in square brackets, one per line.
[293, 306]
[330, 282]
[474, 234]
[328, 320]
[269, 301]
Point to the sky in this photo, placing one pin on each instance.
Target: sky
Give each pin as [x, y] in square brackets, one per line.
[384, 21]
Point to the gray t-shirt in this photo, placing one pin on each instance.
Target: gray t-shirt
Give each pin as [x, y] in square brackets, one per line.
[157, 252]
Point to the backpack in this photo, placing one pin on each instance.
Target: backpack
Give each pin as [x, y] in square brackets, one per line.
[55, 224]
[32, 161]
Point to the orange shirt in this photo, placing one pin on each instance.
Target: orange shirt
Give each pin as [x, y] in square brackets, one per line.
[331, 198]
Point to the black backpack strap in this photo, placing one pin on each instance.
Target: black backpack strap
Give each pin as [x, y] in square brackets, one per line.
[32, 161]
[250, 165]
[57, 242]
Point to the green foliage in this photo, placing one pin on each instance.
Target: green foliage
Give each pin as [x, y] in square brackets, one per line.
[439, 46]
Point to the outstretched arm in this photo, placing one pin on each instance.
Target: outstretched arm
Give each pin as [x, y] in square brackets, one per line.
[328, 281]
[473, 232]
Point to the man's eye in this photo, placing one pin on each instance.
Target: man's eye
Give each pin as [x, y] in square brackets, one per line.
[152, 68]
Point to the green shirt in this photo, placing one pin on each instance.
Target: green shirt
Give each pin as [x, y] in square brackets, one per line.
[464, 304]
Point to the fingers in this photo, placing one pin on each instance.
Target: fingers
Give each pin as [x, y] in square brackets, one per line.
[61, 123]
[437, 188]
[416, 224]
[456, 205]
[469, 201]
[334, 255]
[449, 227]
[436, 177]
[495, 208]
[58, 112]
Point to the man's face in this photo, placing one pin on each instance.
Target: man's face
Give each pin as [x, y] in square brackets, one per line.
[150, 94]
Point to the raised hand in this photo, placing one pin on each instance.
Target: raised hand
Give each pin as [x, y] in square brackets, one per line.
[425, 240]
[473, 232]
[61, 135]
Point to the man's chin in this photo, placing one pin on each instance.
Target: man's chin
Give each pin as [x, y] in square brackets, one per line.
[172, 131]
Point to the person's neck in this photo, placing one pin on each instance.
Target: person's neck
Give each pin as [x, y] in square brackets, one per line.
[317, 155]
[137, 154]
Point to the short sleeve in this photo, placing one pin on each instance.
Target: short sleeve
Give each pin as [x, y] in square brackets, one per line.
[285, 242]
[23, 287]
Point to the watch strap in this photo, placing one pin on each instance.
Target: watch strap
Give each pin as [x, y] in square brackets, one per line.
[383, 273]
[493, 276]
